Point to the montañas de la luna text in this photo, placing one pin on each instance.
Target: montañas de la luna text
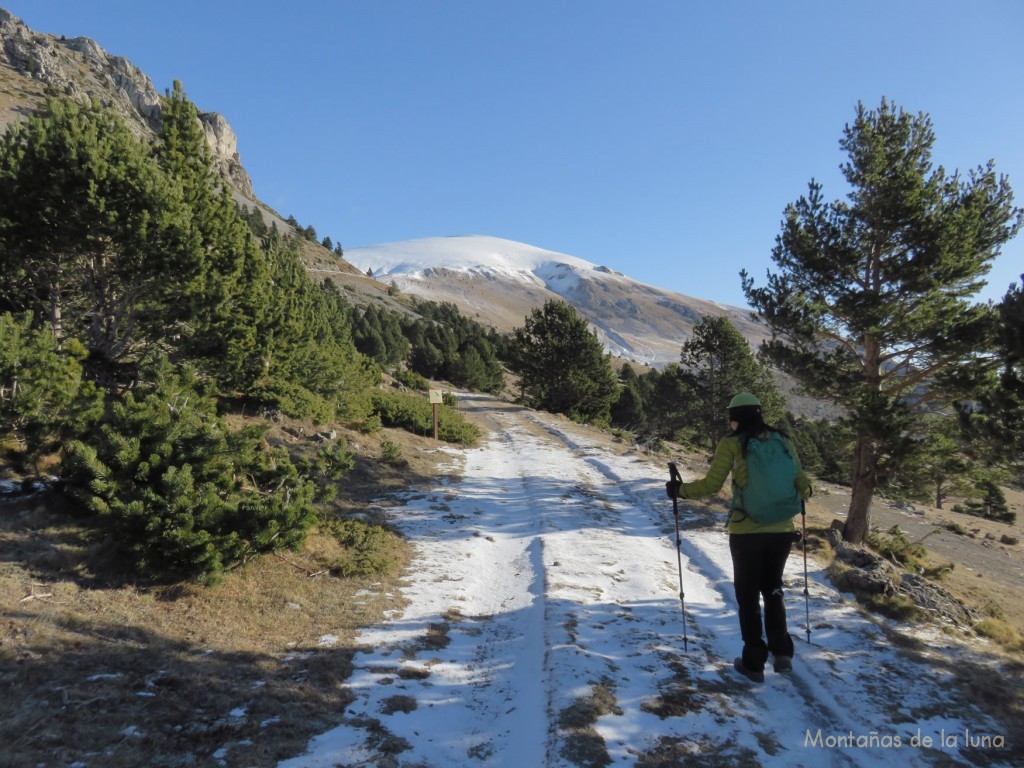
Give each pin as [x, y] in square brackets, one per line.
[876, 740]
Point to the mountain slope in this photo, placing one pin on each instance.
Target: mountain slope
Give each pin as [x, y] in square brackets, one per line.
[498, 281]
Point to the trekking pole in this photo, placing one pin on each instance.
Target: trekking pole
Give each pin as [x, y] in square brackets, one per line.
[674, 476]
[807, 593]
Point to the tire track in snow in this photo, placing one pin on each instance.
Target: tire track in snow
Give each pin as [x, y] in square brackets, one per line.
[451, 680]
[651, 672]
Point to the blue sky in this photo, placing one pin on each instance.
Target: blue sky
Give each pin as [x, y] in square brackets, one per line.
[661, 138]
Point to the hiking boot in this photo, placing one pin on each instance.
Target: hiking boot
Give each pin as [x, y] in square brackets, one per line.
[750, 674]
[783, 664]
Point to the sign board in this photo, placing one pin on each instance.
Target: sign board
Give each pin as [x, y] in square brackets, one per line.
[435, 396]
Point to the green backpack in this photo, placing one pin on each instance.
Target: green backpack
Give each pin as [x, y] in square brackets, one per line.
[770, 495]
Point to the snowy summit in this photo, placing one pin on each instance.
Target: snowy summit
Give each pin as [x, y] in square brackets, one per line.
[473, 255]
[499, 281]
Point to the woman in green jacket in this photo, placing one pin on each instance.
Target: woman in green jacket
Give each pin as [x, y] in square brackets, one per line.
[759, 550]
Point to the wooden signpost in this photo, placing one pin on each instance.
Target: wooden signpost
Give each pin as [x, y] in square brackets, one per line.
[435, 400]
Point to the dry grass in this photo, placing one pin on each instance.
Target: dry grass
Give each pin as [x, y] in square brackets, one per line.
[582, 744]
[130, 678]
[1001, 632]
[115, 674]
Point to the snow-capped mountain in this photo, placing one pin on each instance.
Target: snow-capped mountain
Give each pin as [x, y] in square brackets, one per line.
[498, 282]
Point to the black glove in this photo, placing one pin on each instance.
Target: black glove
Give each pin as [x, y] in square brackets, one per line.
[672, 489]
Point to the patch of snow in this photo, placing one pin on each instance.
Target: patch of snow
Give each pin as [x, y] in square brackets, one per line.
[470, 253]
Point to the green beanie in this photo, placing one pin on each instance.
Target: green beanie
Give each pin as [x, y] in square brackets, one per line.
[744, 398]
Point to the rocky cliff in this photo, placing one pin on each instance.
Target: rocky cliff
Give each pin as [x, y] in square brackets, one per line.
[32, 62]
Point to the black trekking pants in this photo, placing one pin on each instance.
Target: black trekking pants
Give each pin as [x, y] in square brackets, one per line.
[758, 560]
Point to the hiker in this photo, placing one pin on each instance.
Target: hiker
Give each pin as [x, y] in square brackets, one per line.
[759, 549]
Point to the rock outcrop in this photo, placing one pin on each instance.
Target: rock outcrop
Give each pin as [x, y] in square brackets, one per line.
[870, 574]
[80, 68]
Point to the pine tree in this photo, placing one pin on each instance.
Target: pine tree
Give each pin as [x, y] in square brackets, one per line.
[257, 322]
[309, 364]
[871, 304]
[43, 398]
[562, 366]
[804, 434]
[717, 362]
[629, 411]
[665, 397]
[222, 306]
[995, 412]
[476, 367]
[181, 494]
[378, 334]
[1011, 347]
[941, 466]
[992, 504]
[94, 234]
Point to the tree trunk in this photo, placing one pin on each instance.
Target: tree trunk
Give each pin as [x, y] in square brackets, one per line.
[864, 476]
[56, 317]
[858, 517]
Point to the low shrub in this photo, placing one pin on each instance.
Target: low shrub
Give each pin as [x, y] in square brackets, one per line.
[390, 452]
[956, 528]
[329, 464]
[180, 494]
[894, 545]
[368, 550]
[414, 414]
[412, 380]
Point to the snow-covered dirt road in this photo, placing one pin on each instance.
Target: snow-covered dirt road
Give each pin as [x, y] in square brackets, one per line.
[544, 628]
